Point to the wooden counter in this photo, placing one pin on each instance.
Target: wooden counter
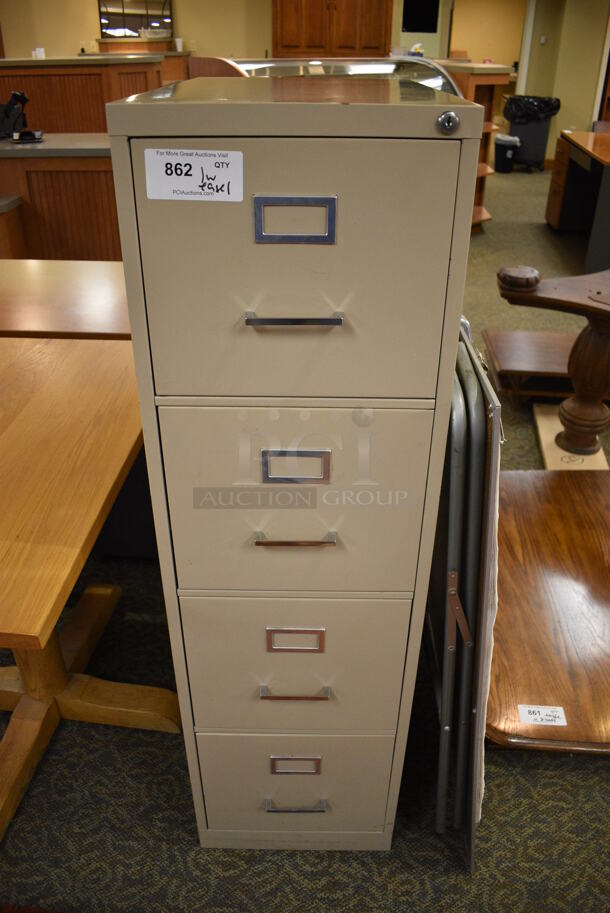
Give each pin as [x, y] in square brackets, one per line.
[68, 207]
[174, 65]
[68, 94]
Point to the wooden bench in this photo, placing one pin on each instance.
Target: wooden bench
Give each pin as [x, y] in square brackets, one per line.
[527, 364]
[69, 432]
[551, 634]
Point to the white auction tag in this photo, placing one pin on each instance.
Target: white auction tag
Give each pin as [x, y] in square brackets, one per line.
[194, 174]
[542, 715]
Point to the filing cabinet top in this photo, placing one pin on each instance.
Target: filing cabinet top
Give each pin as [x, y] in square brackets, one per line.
[293, 106]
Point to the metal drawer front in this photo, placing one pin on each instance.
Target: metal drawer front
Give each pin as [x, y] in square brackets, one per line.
[295, 648]
[358, 316]
[358, 531]
[243, 793]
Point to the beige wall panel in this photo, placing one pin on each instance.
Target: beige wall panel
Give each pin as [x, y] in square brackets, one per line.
[485, 29]
[361, 646]
[578, 65]
[240, 28]
[61, 28]
[233, 28]
[543, 57]
[353, 779]
[374, 499]
[387, 272]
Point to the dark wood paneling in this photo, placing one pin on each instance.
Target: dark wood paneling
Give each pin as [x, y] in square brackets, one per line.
[131, 83]
[72, 215]
[12, 243]
[314, 24]
[174, 68]
[374, 27]
[344, 26]
[287, 16]
[69, 207]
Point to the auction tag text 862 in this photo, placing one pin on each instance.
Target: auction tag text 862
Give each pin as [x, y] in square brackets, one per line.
[194, 174]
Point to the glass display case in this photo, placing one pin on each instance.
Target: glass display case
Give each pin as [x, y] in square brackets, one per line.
[412, 69]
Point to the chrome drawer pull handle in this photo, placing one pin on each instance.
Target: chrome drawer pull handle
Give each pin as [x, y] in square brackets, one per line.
[251, 320]
[320, 806]
[265, 695]
[259, 539]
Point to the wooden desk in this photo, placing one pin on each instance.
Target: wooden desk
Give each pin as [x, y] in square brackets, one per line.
[551, 632]
[69, 432]
[68, 209]
[63, 298]
[579, 194]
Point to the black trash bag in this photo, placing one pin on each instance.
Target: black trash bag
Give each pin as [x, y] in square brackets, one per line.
[525, 109]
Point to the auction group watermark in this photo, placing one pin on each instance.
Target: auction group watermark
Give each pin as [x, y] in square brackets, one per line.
[245, 497]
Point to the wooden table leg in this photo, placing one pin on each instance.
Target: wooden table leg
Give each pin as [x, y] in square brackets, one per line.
[43, 672]
[47, 684]
[81, 633]
[585, 415]
[11, 687]
[93, 700]
[29, 731]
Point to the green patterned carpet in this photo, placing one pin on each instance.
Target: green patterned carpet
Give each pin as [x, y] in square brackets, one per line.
[107, 824]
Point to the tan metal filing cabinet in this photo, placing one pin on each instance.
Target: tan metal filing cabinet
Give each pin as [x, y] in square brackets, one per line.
[295, 254]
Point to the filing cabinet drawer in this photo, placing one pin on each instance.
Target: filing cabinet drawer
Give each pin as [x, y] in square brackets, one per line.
[356, 530]
[306, 664]
[339, 783]
[386, 271]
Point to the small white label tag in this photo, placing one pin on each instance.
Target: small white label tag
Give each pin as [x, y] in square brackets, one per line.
[541, 715]
[194, 174]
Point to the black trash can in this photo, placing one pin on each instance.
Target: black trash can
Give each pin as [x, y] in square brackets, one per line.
[530, 119]
[506, 148]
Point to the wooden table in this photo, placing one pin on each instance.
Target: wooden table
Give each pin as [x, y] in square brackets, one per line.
[579, 194]
[551, 633]
[69, 432]
[63, 298]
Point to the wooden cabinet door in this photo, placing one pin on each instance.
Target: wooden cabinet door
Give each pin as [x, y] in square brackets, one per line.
[374, 23]
[300, 27]
[360, 28]
[331, 28]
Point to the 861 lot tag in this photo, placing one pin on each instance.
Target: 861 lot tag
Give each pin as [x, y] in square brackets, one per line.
[542, 715]
[194, 174]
